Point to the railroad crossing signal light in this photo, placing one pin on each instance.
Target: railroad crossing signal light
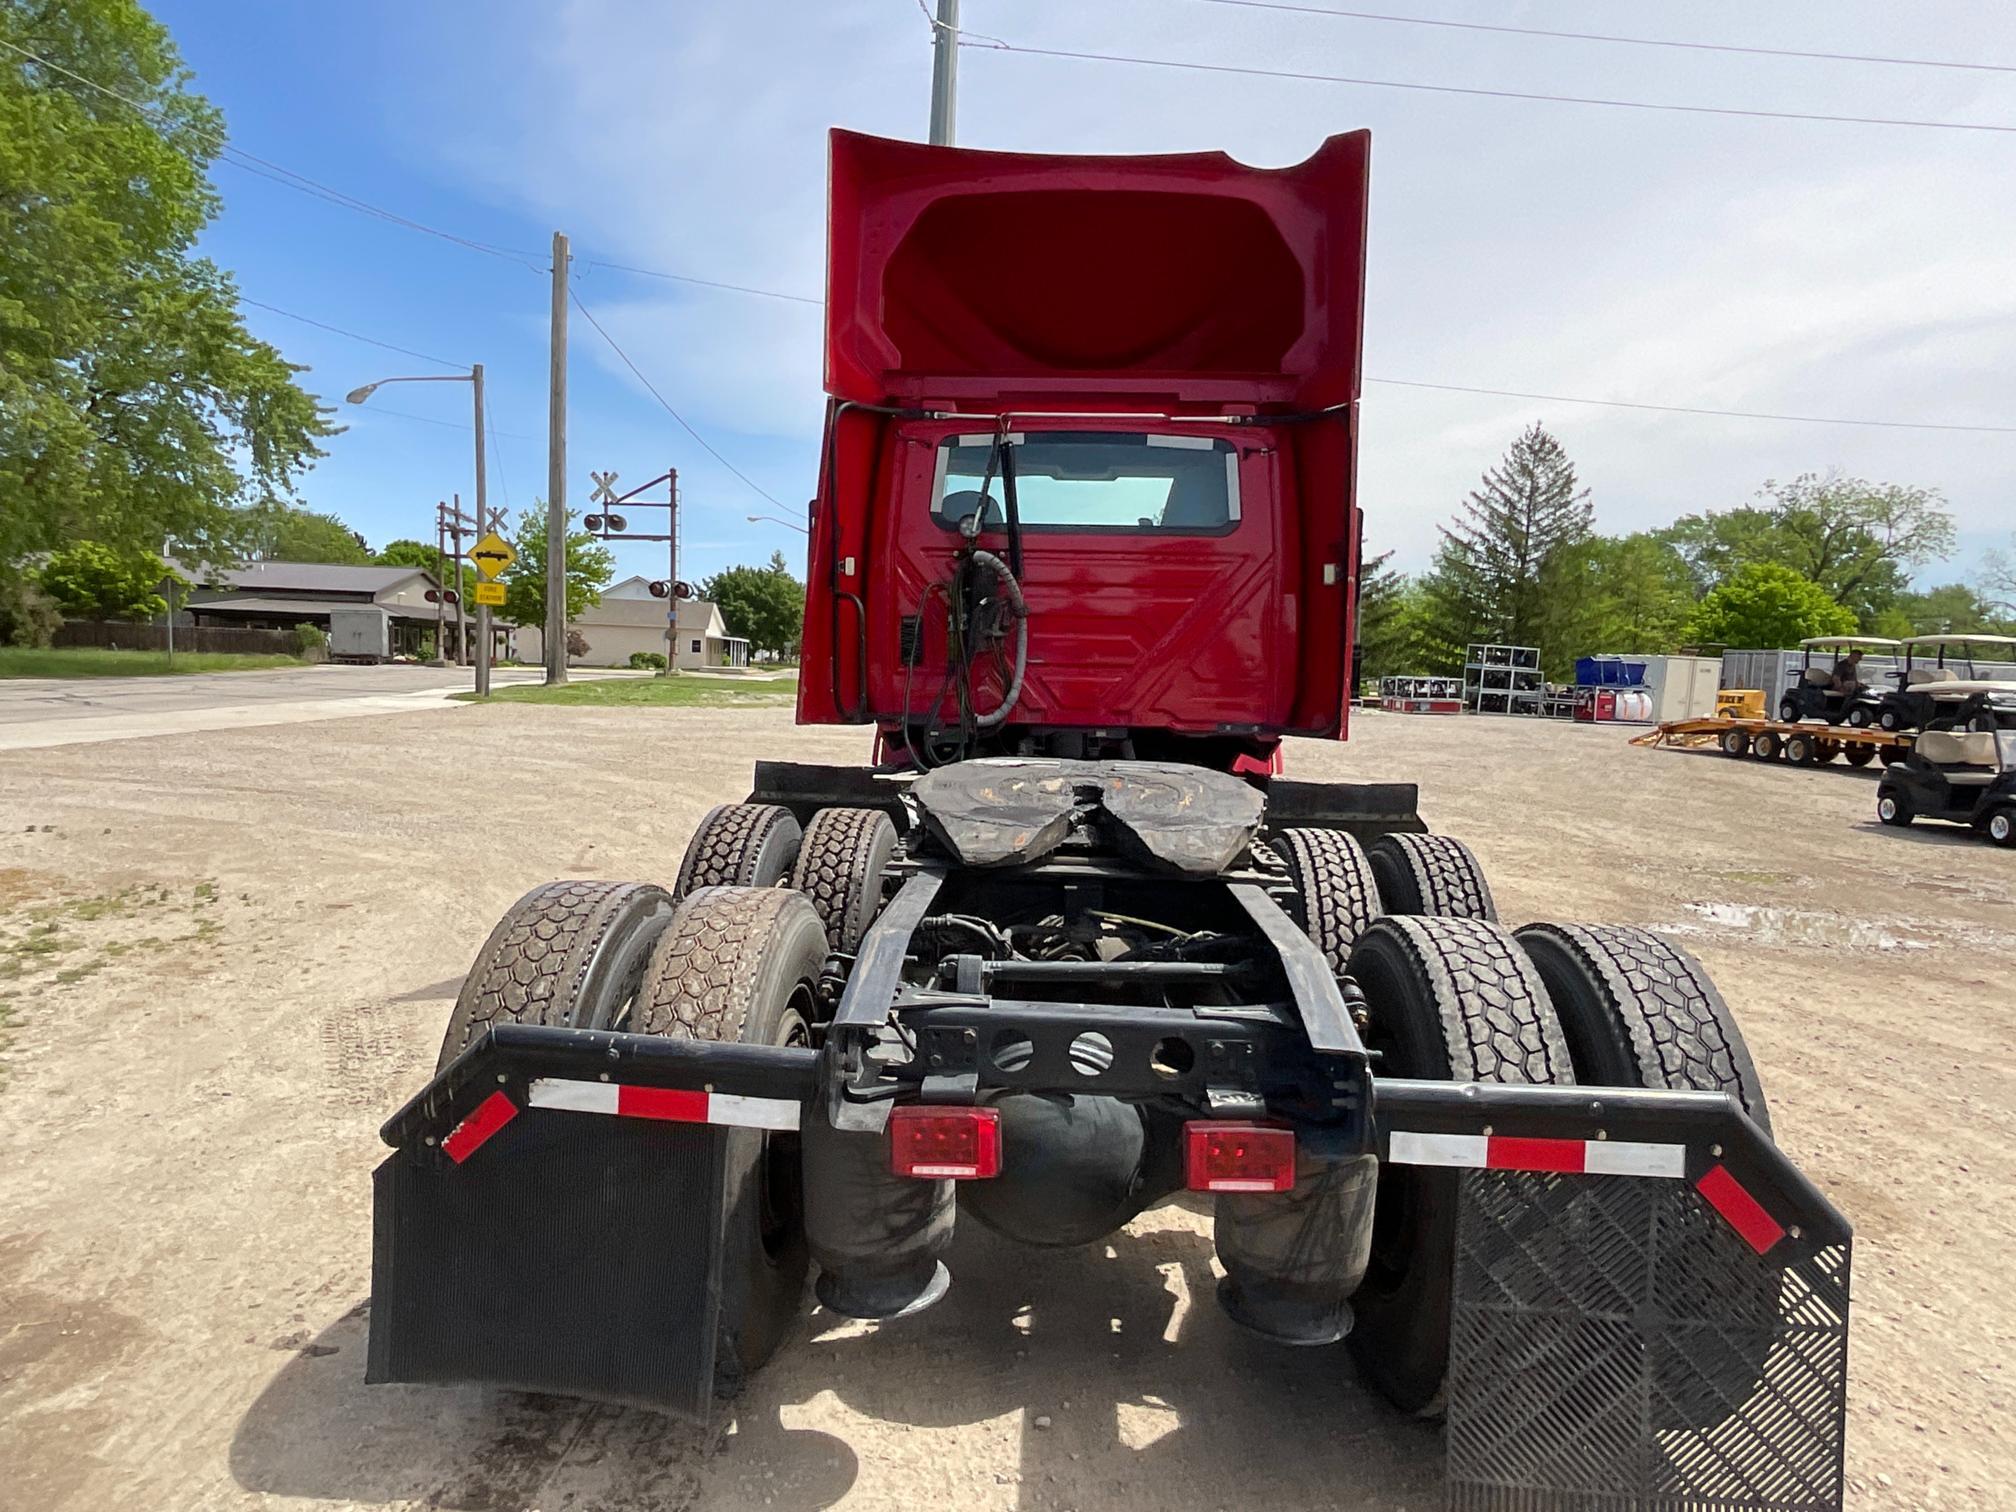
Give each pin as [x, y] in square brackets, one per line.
[675, 590]
[603, 523]
[443, 596]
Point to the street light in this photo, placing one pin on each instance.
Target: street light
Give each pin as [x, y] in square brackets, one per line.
[774, 520]
[474, 378]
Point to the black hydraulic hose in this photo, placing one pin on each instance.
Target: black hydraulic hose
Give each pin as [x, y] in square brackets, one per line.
[1012, 590]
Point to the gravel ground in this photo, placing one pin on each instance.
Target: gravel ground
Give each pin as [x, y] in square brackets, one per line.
[225, 957]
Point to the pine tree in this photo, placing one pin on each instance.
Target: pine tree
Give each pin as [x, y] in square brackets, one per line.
[1510, 566]
[1383, 632]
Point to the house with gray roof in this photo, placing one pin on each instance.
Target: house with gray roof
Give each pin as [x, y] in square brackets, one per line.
[281, 595]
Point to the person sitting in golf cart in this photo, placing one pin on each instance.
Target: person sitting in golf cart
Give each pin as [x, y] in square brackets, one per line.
[1831, 687]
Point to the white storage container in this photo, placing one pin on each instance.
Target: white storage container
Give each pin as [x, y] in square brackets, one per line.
[1681, 687]
[362, 634]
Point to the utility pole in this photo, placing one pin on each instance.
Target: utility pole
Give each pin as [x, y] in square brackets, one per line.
[441, 581]
[556, 475]
[672, 573]
[944, 72]
[461, 611]
[482, 524]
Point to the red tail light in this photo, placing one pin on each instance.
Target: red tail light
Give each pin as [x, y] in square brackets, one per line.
[936, 1144]
[1220, 1156]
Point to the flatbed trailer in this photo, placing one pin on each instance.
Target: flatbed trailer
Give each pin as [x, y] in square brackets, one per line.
[1804, 742]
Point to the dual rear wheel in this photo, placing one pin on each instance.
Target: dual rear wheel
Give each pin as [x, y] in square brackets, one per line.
[1451, 995]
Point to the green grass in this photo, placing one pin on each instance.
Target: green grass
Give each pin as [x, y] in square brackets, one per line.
[659, 692]
[92, 661]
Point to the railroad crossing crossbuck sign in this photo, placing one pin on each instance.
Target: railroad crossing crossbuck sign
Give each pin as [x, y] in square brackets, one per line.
[604, 491]
[493, 556]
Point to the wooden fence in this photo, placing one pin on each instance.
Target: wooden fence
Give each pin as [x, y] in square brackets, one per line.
[126, 635]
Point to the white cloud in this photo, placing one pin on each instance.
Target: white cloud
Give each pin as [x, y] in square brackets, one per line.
[1771, 265]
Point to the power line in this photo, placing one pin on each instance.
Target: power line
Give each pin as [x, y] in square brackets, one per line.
[323, 325]
[1571, 36]
[686, 425]
[1684, 409]
[1491, 94]
[461, 425]
[705, 283]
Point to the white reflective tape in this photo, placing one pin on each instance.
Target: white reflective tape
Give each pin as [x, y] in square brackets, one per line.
[1437, 1149]
[577, 1096]
[753, 1112]
[1618, 1157]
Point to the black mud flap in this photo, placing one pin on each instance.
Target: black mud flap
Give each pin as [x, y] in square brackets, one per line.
[521, 1240]
[1633, 1343]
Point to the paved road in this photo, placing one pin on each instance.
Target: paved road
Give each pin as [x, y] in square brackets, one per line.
[37, 712]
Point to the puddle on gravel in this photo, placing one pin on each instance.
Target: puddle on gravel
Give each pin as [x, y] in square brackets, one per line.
[1762, 924]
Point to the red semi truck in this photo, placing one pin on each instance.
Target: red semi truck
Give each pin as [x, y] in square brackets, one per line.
[1068, 945]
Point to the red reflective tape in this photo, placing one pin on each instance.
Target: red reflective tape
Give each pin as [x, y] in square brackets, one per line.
[672, 1104]
[1504, 1153]
[1744, 1213]
[470, 1135]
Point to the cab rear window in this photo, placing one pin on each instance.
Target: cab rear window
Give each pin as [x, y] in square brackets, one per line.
[1098, 481]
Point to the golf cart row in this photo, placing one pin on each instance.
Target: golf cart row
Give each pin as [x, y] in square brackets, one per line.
[1937, 673]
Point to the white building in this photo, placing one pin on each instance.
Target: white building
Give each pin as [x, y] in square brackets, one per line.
[628, 619]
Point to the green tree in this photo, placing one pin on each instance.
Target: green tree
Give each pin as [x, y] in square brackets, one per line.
[91, 580]
[1856, 539]
[277, 532]
[27, 617]
[1948, 609]
[1385, 628]
[134, 405]
[763, 605]
[590, 566]
[411, 553]
[1641, 595]
[1510, 566]
[1765, 606]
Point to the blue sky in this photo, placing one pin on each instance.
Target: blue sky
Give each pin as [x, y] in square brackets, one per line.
[1768, 265]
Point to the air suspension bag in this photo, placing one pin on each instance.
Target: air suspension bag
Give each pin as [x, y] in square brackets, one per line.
[1292, 1259]
[1070, 1170]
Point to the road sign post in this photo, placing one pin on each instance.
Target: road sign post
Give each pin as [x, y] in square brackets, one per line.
[605, 524]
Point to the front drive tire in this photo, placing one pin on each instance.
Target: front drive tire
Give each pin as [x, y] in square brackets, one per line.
[1430, 874]
[1893, 806]
[840, 867]
[741, 965]
[1447, 999]
[740, 845]
[1788, 709]
[1336, 895]
[568, 955]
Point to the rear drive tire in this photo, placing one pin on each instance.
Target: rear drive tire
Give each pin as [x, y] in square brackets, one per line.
[568, 955]
[1638, 1011]
[1430, 874]
[740, 845]
[1893, 805]
[741, 965]
[839, 869]
[1735, 742]
[1858, 717]
[2001, 825]
[1452, 999]
[1336, 895]
[1888, 719]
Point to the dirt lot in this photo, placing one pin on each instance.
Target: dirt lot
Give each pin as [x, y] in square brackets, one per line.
[224, 957]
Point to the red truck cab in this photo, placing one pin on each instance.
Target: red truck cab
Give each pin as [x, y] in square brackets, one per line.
[1133, 382]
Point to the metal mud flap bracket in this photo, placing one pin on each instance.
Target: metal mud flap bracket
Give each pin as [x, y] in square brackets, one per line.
[1650, 1307]
[551, 1217]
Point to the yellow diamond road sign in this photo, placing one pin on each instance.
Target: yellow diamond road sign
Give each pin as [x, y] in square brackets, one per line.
[491, 594]
[493, 556]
